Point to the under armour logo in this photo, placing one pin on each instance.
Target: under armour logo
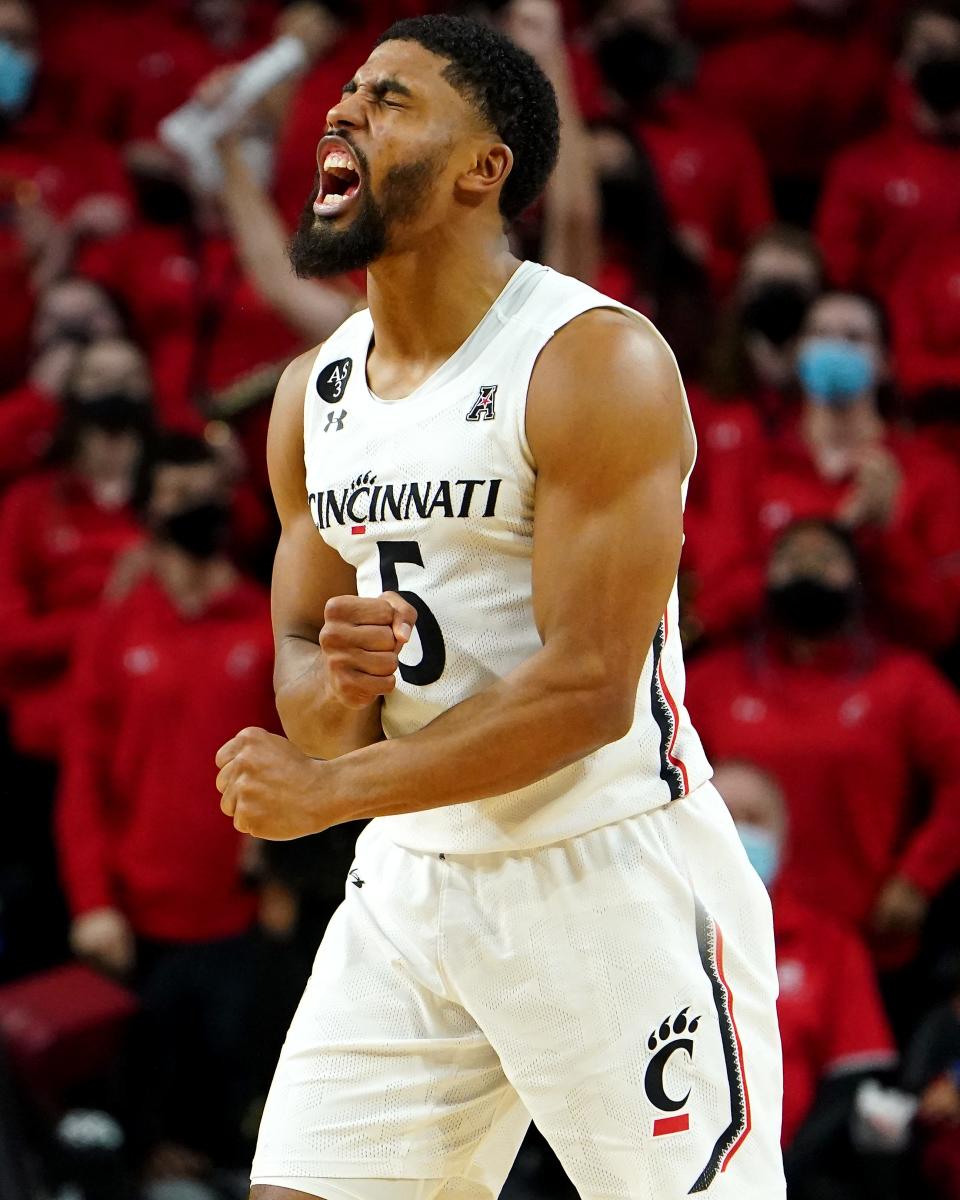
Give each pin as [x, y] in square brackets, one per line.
[335, 420]
[354, 876]
[483, 409]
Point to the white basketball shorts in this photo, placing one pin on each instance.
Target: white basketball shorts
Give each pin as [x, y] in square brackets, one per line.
[618, 987]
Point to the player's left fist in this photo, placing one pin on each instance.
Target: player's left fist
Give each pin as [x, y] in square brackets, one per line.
[269, 787]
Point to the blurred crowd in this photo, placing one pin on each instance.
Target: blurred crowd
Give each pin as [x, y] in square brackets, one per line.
[776, 183]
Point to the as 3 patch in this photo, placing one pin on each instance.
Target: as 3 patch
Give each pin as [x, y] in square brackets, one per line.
[332, 380]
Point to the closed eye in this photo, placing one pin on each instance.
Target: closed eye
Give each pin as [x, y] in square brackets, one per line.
[380, 89]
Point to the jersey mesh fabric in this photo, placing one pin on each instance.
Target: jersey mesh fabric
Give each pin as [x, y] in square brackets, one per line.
[434, 495]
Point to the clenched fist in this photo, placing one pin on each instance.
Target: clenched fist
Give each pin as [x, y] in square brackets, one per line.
[270, 788]
[361, 640]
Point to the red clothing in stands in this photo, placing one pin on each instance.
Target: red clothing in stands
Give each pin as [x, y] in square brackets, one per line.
[712, 178]
[884, 198]
[16, 287]
[202, 322]
[925, 313]
[802, 86]
[28, 419]
[911, 567]
[719, 537]
[589, 86]
[155, 694]
[63, 165]
[852, 737]
[57, 548]
[831, 1016]
[126, 67]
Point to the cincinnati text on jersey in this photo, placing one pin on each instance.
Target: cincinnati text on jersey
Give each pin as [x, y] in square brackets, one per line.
[367, 502]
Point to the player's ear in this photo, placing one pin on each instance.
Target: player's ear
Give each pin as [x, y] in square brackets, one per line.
[491, 166]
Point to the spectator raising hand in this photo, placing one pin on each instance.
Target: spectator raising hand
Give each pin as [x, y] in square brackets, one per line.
[570, 222]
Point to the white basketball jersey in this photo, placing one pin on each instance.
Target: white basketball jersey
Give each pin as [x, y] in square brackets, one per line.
[432, 496]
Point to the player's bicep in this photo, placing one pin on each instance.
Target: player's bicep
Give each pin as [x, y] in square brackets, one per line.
[611, 453]
[306, 572]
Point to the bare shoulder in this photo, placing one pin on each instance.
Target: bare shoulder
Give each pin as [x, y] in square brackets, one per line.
[292, 384]
[607, 371]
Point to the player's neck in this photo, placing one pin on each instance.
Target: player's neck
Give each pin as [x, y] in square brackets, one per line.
[424, 306]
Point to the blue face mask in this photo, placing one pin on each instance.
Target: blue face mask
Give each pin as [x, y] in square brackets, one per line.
[833, 371]
[17, 69]
[763, 850]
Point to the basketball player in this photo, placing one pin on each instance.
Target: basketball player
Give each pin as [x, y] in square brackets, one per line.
[480, 480]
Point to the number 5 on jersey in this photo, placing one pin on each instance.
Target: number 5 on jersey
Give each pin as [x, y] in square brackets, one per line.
[434, 657]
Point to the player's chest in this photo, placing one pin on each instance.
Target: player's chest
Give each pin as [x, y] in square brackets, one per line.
[450, 472]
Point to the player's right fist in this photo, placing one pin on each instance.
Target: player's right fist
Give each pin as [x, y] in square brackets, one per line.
[361, 640]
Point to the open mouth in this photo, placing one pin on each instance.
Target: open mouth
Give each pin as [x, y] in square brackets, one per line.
[340, 179]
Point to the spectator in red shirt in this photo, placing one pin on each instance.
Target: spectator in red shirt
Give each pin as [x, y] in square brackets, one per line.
[925, 312]
[750, 392]
[60, 534]
[833, 1028]
[153, 875]
[125, 66]
[198, 315]
[841, 460]
[643, 262]
[899, 190]
[779, 276]
[76, 178]
[854, 730]
[711, 175]
[803, 76]
[70, 314]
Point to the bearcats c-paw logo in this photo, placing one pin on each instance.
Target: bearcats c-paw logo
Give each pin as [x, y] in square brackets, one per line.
[665, 1042]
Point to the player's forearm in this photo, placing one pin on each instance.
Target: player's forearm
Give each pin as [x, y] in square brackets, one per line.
[544, 716]
[313, 719]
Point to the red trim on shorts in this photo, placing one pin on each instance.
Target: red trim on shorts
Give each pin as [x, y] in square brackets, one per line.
[676, 762]
[736, 1033]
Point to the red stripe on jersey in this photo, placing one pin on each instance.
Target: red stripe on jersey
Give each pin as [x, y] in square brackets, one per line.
[736, 1033]
[676, 762]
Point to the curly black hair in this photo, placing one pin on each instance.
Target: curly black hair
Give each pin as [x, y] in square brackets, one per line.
[505, 86]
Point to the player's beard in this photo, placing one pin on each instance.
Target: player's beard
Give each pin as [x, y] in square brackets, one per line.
[319, 249]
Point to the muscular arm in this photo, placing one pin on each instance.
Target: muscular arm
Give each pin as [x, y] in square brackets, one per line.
[307, 575]
[605, 423]
[606, 426]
